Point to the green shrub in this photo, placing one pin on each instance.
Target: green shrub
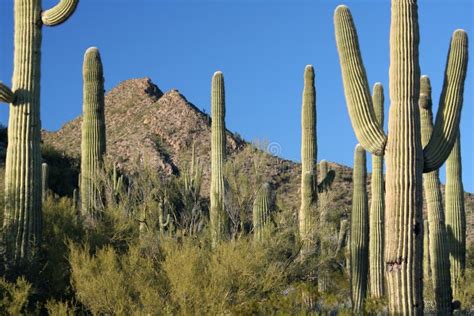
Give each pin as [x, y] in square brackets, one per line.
[110, 283]
[14, 297]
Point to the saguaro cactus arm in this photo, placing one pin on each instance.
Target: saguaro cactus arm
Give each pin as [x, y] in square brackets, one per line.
[326, 183]
[450, 104]
[59, 13]
[377, 206]
[356, 87]
[6, 94]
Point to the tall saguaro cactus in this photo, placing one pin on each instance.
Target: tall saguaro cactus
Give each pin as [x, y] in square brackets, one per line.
[261, 211]
[377, 207]
[456, 217]
[359, 231]
[22, 218]
[439, 251]
[309, 194]
[93, 132]
[218, 215]
[406, 160]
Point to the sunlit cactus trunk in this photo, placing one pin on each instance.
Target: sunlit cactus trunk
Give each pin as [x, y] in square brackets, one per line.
[93, 134]
[323, 278]
[261, 212]
[309, 195]
[218, 215]
[23, 216]
[426, 253]
[439, 250]
[359, 231]
[406, 160]
[456, 217]
[377, 207]
[44, 180]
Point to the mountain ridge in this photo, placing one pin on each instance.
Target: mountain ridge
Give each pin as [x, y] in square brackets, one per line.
[146, 125]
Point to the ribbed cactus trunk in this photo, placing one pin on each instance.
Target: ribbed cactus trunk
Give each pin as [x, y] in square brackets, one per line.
[323, 278]
[456, 217]
[359, 231]
[23, 216]
[322, 197]
[261, 212]
[406, 160]
[218, 215]
[309, 195]
[439, 250]
[377, 207]
[93, 143]
[44, 180]
[426, 254]
[342, 235]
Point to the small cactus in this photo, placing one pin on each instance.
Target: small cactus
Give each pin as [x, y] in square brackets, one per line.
[324, 226]
[93, 133]
[359, 231]
[261, 212]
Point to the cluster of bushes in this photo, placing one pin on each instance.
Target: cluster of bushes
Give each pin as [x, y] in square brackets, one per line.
[130, 263]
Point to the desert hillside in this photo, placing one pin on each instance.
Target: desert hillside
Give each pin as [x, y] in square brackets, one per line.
[145, 125]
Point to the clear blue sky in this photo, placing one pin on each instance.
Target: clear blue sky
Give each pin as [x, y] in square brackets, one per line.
[262, 46]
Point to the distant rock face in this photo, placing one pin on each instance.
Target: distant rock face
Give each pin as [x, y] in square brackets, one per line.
[145, 126]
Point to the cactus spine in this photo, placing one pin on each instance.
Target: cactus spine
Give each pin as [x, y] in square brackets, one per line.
[377, 207]
[406, 160]
[359, 231]
[44, 180]
[309, 194]
[218, 215]
[456, 217]
[439, 251]
[93, 132]
[22, 218]
[261, 211]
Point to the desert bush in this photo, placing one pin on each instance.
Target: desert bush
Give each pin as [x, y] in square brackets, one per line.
[14, 297]
[110, 283]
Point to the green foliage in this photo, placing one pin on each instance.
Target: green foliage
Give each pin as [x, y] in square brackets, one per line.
[110, 283]
[59, 308]
[14, 297]
[244, 173]
[466, 287]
